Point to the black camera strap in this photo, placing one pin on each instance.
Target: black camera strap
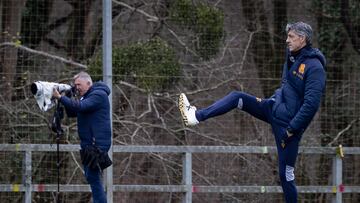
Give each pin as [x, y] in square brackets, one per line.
[56, 122]
[56, 128]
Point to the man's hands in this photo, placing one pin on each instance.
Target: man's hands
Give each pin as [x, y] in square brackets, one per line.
[288, 133]
[56, 94]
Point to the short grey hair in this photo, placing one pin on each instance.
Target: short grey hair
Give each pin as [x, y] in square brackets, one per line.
[301, 29]
[83, 75]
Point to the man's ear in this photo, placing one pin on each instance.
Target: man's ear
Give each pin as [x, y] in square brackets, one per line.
[303, 39]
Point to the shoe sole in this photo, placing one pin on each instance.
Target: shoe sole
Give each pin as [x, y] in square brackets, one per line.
[181, 109]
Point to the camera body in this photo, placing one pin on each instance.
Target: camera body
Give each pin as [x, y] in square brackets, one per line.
[43, 91]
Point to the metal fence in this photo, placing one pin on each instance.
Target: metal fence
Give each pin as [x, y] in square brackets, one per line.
[187, 188]
[151, 51]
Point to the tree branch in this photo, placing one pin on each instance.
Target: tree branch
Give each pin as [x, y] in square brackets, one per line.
[343, 131]
[150, 17]
[41, 53]
[235, 76]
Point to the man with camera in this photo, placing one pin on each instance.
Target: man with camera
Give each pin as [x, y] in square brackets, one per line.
[93, 117]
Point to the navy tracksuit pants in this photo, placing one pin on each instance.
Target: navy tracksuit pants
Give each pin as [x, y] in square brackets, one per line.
[261, 109]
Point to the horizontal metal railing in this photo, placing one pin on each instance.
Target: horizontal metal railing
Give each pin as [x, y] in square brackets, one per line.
[187, 188]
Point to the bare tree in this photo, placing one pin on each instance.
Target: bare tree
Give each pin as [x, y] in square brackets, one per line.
[10, 29]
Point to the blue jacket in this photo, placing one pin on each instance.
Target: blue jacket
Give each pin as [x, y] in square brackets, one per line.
[93, 115]
[303, 83]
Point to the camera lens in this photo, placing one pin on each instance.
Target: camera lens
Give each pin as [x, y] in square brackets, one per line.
[34, 88]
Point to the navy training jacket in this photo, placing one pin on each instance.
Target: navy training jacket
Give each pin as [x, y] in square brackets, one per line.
[93, 115]
[303, 83]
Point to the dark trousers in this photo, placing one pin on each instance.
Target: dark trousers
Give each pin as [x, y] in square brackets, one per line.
[261, 109]
[93, 177]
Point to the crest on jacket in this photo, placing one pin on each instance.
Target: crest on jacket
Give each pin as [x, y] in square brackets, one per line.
[300, 72]
[301, 69]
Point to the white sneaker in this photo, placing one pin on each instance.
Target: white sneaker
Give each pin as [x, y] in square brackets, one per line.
[187, 111]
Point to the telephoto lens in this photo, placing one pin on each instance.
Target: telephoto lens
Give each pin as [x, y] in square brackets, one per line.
[42, 92]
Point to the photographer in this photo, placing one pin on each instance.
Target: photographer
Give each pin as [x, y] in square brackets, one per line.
[93, 117]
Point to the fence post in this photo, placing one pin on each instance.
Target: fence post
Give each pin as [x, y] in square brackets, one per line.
[187, 177]
[107, 77]
[27, 176]
[337, 175]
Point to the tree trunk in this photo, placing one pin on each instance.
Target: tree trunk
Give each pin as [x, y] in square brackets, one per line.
[352, 28]
[263, 53]
[10, 29]
[76, 32]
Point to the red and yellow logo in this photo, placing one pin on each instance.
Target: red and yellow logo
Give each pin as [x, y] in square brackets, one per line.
[301, 69]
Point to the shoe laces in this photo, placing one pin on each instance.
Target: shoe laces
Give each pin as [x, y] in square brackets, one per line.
[190, 107]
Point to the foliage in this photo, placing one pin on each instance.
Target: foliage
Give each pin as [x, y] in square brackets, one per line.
[182, 12]
[354, 6]
[152, 65]
[330, 30]
[205, 21]
[333, 41]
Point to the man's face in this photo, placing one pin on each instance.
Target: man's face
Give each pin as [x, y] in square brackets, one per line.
[294, 41]
[82, 86]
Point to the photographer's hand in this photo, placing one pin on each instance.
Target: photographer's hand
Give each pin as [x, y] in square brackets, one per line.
[56, 94]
